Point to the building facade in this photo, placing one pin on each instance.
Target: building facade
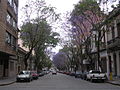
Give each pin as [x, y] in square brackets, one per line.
[8, 37]
[21, 54]
[113, 43]
[110, 46]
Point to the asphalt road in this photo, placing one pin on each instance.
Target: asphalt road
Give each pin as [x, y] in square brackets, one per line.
[59, 82]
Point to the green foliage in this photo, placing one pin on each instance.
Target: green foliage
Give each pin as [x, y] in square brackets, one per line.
[40, 36]
[36, 31]
[86, 5]
[45, 63]
[85, 17]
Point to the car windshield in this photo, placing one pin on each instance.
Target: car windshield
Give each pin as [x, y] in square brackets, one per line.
[23, 72]
[95, 72]
[78, 72]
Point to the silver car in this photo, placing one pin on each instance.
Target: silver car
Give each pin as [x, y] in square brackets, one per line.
[24, 76]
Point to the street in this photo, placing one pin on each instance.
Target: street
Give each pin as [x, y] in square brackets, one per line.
[59, 82]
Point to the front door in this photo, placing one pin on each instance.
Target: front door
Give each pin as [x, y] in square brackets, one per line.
[115, 64]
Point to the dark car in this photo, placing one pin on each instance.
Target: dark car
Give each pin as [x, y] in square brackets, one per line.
[72, 74]
[84, 75]
[78, 74]
[34, 74]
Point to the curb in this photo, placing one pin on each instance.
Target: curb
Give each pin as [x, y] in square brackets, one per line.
[113, 83]
[4, 84]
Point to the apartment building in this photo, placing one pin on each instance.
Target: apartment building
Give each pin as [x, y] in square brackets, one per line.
[8, 37]
[113, 42]
[110, 45]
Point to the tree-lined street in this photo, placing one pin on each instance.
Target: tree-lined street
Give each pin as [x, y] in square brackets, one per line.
[59, 82]
[82, 44]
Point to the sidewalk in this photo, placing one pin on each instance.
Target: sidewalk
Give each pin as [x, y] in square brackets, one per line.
[115, 81]
[7, 81]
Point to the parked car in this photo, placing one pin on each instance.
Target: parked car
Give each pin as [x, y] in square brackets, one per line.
[34, 74]
[24, 76]
[67, 73]
[84, 75]
[96, 75]
[78, 74]
[41, 73]
[54, 72]
[72, 74]
[46, 72]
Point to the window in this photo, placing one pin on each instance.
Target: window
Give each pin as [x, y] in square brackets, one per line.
[11, 21]
[13, 5]
[14, 24]
[13, 42]
[8, 18]
[8, 38]
[15, 8]
[10, 2]
[113, 32]
[118, 29]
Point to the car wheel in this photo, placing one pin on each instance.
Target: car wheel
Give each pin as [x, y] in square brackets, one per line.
[86, 79]
[17, 80]
[29, 80]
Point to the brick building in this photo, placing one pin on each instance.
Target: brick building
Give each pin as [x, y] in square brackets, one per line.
[8, 37]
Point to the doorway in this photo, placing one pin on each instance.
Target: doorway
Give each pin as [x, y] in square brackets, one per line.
[115, 64]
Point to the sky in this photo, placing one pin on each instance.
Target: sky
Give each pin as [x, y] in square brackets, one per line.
[62, 5]
[108, 5]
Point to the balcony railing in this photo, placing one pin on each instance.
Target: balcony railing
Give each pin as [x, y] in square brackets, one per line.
[114, 42]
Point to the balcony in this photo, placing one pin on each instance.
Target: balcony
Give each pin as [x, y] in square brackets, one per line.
[114, 44]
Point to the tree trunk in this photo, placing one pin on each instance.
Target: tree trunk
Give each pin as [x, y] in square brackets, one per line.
[26, 58]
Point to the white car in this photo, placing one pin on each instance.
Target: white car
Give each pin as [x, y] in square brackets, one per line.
[24, 76]
[96, 75]
[54, 72]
